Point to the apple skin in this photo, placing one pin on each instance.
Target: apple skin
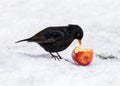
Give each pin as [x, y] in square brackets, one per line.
[82, 56]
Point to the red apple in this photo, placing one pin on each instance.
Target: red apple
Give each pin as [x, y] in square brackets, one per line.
[82, 56]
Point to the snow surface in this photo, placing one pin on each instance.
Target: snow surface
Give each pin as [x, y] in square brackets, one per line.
[27, 64]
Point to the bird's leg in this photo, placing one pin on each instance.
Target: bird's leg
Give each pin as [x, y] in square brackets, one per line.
[54, 56]
[59, 55]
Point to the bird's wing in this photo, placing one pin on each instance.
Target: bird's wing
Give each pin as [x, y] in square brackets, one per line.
[48, 37]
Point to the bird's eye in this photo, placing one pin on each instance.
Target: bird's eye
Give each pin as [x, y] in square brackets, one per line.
[78, 34]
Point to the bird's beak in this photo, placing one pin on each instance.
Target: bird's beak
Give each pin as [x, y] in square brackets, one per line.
[79, 41]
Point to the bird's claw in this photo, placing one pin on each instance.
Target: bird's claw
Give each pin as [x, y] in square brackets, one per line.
[56, 57]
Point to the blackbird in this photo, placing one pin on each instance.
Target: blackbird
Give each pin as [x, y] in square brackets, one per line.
[57, 38]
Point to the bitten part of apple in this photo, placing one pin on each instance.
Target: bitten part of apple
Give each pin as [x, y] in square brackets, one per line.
[82, 56]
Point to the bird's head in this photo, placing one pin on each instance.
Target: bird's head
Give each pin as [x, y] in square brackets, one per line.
[77, 32]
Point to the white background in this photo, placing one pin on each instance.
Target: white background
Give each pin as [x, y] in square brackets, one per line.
[27, 64]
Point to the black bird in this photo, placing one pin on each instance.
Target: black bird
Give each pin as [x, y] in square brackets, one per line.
[56, 39]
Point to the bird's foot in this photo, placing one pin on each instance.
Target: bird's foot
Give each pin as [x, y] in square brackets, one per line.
[58, 57]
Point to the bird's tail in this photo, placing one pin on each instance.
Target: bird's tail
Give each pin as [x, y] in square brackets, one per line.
[23, 40]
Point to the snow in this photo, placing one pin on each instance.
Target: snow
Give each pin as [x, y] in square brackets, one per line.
[27, 64]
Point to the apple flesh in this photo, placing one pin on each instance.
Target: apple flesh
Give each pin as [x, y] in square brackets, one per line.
[82, 56]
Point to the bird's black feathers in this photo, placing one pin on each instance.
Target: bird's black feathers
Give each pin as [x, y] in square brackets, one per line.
[56, 39]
